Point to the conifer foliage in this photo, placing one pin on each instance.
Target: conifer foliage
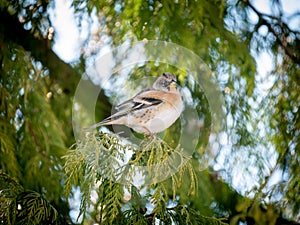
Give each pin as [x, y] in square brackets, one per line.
[248, 174]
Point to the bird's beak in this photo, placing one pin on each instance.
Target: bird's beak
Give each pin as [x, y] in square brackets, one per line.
[173, 86]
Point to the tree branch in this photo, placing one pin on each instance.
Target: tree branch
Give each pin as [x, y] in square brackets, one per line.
[280, 37]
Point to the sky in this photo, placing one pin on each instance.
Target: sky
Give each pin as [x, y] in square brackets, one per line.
[288, 6]
[67, 40]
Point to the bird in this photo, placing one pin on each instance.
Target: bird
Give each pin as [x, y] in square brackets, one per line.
[150, 111]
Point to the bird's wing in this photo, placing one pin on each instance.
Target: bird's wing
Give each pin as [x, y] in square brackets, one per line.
[142, 100]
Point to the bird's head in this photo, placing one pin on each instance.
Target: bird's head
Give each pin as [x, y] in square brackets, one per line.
[166, 82]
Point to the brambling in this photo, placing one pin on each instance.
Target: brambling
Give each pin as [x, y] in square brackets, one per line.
[152, 110]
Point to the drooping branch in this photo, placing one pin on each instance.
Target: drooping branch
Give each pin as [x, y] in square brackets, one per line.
[12, 31]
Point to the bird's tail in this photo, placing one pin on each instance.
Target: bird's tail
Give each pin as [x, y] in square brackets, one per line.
[93, 126]
[107, 121]
[114, 119]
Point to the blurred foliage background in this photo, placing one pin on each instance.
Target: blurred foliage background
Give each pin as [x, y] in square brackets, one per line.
[253, 177]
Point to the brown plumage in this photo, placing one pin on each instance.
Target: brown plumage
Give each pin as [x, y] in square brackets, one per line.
[151, 110]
